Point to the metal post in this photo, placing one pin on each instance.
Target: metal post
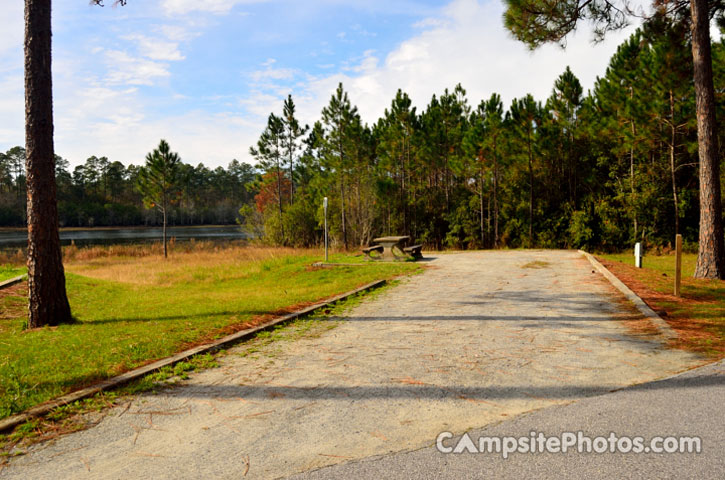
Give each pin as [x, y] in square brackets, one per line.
[678, 264]
[324, 204]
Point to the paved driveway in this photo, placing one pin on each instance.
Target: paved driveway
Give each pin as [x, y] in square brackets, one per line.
[689, 404]
[477, 339]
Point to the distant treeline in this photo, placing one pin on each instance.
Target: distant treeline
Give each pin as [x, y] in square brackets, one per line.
[104, 193]
[600, 169]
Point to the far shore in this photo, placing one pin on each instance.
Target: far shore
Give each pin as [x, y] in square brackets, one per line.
[134, 227]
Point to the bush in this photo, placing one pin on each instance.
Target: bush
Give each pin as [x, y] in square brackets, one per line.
[581, 233]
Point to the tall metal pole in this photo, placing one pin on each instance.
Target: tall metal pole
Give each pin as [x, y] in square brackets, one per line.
[324, 204]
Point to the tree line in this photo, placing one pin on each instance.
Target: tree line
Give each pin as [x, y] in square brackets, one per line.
[601, 169]
[101, 192]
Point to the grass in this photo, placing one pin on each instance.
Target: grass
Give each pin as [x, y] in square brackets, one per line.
[132, 307]
[698, 315]
[87, 412]
[10, 271]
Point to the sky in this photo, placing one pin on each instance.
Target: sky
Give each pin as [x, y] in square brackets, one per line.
[205, 74]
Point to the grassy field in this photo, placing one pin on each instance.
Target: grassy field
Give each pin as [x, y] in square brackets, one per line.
[698, 315]
[10, 271]
[133, 307]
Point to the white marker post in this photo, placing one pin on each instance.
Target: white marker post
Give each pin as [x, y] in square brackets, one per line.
[638, 255]
[324, 205]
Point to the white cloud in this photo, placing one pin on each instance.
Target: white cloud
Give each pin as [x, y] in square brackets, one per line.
[119, 124]
[156, 48]
[149, 62]
[177, 33]
[125, 69]
[273, 74]
[11, 33]
[465, 44]
[218, 7]
[12, 111]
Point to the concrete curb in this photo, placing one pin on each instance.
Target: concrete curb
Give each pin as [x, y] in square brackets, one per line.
[12, 281]
[44, 408]
[661, 325]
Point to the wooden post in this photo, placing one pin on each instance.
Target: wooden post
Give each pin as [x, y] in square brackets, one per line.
[678, 264]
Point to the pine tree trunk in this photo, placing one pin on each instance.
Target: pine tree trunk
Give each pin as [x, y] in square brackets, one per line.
[531, 195]
[279, 200]
[488, 216]
[711, 254]
[404, 186]
[495, 197]
[291, 168]
[166, 253]
[480, 198]
[342, 194]
[631, 170]
[48, 303]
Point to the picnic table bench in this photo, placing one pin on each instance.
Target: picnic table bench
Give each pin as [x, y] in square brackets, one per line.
[414, 251]
[392, 248]
[375, 248]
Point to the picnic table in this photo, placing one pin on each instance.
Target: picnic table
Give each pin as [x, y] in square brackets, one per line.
[393, 248]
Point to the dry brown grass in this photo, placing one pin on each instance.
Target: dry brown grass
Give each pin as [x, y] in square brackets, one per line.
[14, 257]
[188, 262]
[697, 316]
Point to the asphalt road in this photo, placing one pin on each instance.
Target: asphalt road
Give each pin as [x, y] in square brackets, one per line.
[689, 404]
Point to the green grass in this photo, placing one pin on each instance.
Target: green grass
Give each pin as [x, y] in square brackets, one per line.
[154, 313]
[10, 271]
[268, 343]
[659, 263]
[698, 315]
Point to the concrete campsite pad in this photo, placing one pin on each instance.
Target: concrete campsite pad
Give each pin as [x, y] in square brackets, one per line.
[477, 338]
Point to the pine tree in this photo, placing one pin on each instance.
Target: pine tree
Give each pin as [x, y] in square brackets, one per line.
[395, 151]
[669, 75]
[338, 118]
[563, 106]
[525, 119]
[493, 121]
[535, 25]
[48, 301]
[291, 140]
[621, 97]
[159, 182]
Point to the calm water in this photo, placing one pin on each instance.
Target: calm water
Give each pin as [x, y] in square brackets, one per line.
[109, 236]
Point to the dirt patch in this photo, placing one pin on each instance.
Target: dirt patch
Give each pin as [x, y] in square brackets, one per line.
[694, 333]
[536, 264]
[13, 301]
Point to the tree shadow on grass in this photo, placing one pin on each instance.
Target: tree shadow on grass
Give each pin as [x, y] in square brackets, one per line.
[195, 316]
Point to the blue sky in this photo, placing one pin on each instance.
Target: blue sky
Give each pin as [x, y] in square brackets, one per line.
[204, 74]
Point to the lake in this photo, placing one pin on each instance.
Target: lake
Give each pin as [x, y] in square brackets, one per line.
[108, 236]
